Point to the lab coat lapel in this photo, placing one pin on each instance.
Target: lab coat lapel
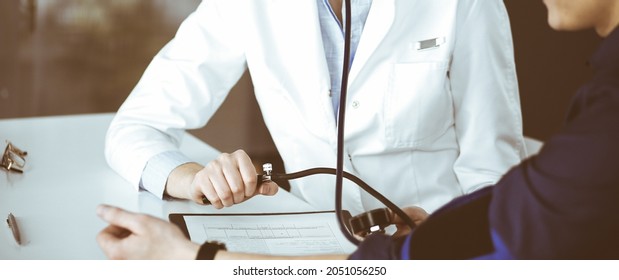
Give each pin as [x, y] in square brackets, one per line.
[378, 23]
[297, 21]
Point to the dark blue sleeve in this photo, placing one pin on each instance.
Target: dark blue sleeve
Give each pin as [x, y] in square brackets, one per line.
[564, 202]
[561, 204]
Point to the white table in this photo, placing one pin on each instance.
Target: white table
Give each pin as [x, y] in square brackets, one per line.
[66, 177]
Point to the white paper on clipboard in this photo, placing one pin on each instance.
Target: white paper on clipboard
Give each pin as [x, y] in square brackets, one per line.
[284, 234]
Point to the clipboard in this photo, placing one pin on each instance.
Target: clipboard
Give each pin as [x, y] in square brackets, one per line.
[285, 234]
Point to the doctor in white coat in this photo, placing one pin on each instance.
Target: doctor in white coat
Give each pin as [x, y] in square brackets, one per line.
[433, 106]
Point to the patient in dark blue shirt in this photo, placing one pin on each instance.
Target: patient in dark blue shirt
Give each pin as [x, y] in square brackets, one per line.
[560, 204]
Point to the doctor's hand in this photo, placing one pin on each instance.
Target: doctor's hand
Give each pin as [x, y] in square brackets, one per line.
[230, 179]
[139, 236]
[417, 214]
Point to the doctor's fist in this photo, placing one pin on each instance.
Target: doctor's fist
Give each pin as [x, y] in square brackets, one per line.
[230, 179]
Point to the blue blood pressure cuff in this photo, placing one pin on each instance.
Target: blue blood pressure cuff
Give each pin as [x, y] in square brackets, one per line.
[458, 230]
[378, 247]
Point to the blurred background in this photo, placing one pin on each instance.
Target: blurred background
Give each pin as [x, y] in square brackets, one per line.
[62, 57]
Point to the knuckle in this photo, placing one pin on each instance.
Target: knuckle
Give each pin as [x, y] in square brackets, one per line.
[239, 152]
[226, 197]
[227, 160]
[241, 155]
[213, 166]
[223, 157]
[250, 179]
[238, 195]
[202, 173]
[237, 191]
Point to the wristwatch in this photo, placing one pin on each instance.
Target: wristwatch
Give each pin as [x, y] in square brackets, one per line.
[209, 249]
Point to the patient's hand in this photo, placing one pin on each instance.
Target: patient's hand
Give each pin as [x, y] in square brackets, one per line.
[417, 214]
[139, 236]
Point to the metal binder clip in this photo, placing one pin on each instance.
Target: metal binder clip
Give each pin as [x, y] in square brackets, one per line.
[13, 159]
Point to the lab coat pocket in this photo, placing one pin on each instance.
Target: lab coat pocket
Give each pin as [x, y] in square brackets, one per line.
[418, 105]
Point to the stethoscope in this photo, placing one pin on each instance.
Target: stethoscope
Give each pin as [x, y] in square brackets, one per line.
[374, 221]
[364, 224]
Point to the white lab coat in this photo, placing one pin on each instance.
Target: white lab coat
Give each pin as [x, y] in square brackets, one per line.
[422, 126]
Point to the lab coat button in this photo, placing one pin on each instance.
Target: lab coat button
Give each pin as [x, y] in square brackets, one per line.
[355, 104]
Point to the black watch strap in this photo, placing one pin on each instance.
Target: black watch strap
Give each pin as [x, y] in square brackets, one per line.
[209, 249]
